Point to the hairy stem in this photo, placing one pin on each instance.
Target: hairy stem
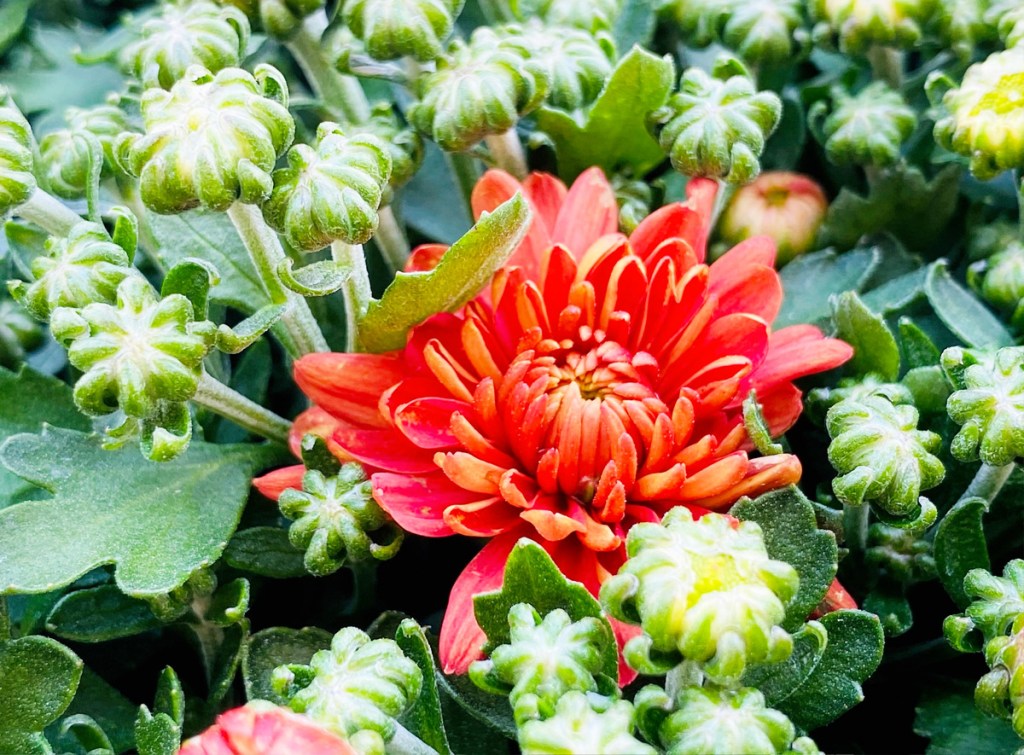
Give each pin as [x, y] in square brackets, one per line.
[406, 743]
[334, 88]
[464, 170]
[886, 65]
[356, 289]
[508, 153]
[230, 404]
[988, 482]
[855, 526]
[391, 241]
[49, 213]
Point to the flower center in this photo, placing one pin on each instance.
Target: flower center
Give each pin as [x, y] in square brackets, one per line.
[1005, 98]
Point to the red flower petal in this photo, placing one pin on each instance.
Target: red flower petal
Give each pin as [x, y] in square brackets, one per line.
[418, 502]
[588, 213]
[272, 484]
[547, 194]
[427, 421]
[425, 257]
[797, 351]
[673, 221]
[492, 190]
[385, 449]
[315, 421]
[461, 637]
[700, 195]
[262, 729]
[349, 385]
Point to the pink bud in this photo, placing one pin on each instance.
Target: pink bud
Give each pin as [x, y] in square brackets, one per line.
[265, 729]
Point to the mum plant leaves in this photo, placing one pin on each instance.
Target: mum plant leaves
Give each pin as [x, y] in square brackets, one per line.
[156, 523]
[960, 546]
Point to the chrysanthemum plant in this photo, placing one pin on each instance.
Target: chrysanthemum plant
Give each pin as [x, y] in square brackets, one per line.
[449, 376]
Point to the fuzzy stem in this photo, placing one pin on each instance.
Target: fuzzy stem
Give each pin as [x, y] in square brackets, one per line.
[390, 239]
[886, 65]
[334, 88]
[267, 253]
[508, 153]
[230, 404]
[464, 170]
[406, 743]
[356, 289]
[49, 213]
[988, 482]
[855, 526]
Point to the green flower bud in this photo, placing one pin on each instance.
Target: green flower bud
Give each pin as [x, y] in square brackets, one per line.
[985, 120]
[210, 140]
[481, 89]
[16, 180]
[634, 199]
[962, 25]
[577, 63]
[989, 404]
[997, 601]
[329, 192]
[83, 268]
[1007, 17]
[545, 660]
[334, 519]
[698, 21]
[392, 29]
[589, 15]
[717, 125]
[900, 553]
[185, 34]
[1001, 691]
[356, 688]
[820, 400]
[577, 727]
[404, 145]
[862, 24]
[764, 32]
[19, 333]
[705, 590]
[867, 128]
[197, 589]
[66, 155]
[711, 721]
[134, 353]
[880, 455]
[281, 18]
[999, 280]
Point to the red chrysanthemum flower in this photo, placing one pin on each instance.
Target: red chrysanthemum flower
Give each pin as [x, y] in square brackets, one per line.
[597, 384]
[265, 729]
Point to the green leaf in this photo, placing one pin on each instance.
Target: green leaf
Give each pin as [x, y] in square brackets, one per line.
[635, 24]
[156, 522]
[875, 348]
[532, 577]
[854, 650]
[777, 681]
[209, 236]
[265, 551]
[169, 697]
[491, 710]
[29, 400]
[898, 293]
[960, 546]
[901, 201]
[786, 145]
[192, 279]
[466, 268]
[277, 646]
[917, 348]
[791, 534]
[225, 663]
[929, 387]
[757, 427]
[614, 134]
[948, 717]
[86, 734]
[99, 614]
[811, 280]
[424, 718]
[156, 734]
[111, 710]
[889, 603]
[38, 679]
[966, 317]
[12, 20]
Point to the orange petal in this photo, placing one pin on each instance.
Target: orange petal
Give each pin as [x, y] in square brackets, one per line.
[349, 386]
[274, 483]
[418, 502]
[763, 474]
[425, 257]
[588, 213]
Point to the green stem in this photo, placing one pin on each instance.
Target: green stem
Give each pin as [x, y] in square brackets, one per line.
[267, 253]
[464, 170]
[364, 588]
[334, 88]
[855, 526]
[230, 404]
[507, 152]
[1020, 204]
[356, 289]
[988, 482]
[406, 743]
[49, 213]
[5, 619]
[390, 239]
[886, 65]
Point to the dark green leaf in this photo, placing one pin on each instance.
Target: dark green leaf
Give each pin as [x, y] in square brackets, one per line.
[948, 717]
[12, 20]
[38, 679]
[786, 144]
[888, 602]
[777, 681]
[532, 577]
[100, 614]
[156, 522]
[265, 551]
[917, 348]
[811, 280]
[491, 710]
[960, 546]
[209, 236]
[929, 388]
[192, 279]
[169, 697]
[875, 348]
[226, 661]
[424, 718]
[86, 734]
[462, 272]
[156, 734]
[898, 293]
[757, 427]
[791, 534]
[113, 712]
[614, 134]
[854, 650]
[277, 646]
[964, 315]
